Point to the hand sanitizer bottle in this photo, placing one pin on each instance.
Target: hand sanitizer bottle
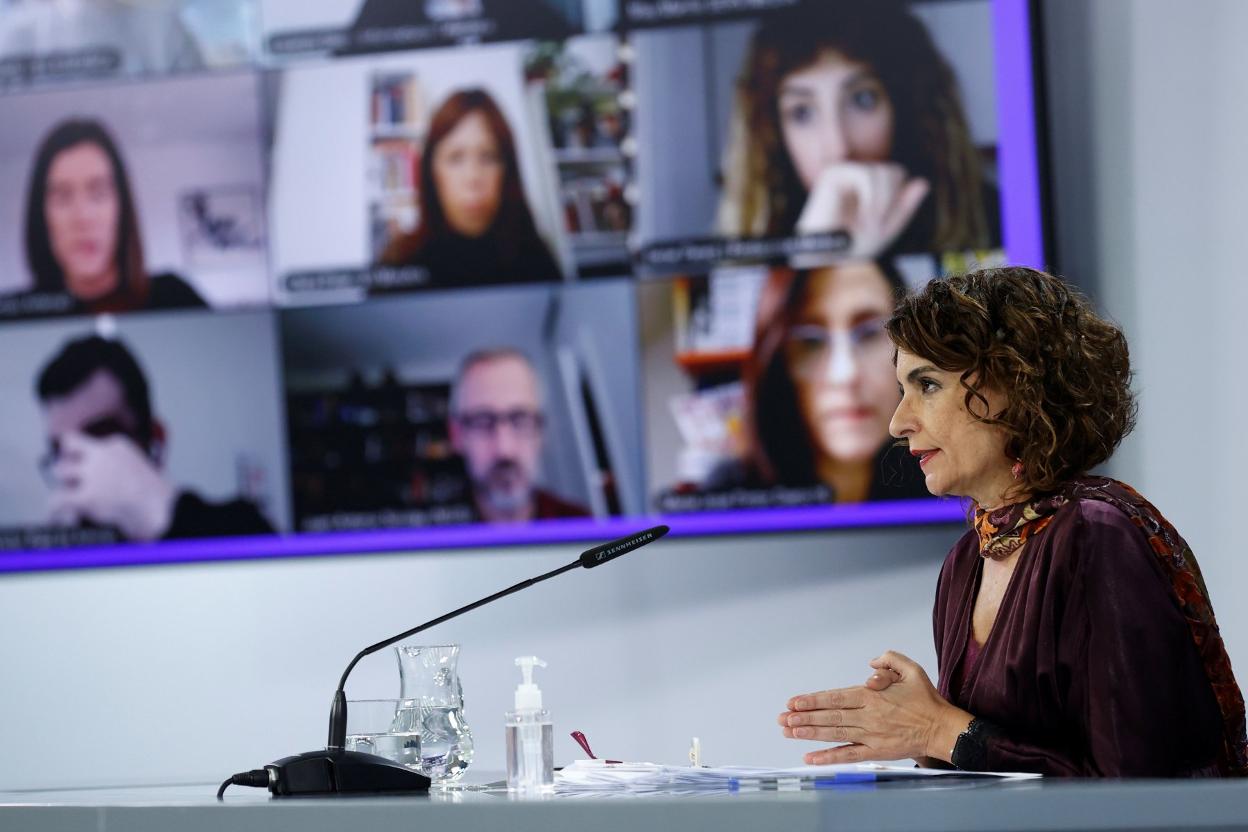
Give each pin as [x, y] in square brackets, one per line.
[530, 735]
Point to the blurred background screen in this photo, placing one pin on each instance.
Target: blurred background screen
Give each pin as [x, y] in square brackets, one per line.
[289, 277]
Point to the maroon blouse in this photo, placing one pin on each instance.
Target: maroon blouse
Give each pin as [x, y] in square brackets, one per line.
[1090, 668]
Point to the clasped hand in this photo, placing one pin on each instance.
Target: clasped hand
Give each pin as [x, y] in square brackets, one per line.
[111, 482]
[896, 714]
[872, 202]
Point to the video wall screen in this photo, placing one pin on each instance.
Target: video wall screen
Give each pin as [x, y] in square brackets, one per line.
[300, 277]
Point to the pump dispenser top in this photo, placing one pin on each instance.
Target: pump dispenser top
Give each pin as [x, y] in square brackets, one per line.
[528, 695]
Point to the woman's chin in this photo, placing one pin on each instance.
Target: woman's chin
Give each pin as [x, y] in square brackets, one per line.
[934, 486]
[89, 288]
[472, 222]
[853, 446]
[854, 456]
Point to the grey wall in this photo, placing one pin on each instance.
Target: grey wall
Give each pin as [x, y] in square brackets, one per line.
[192, 673]
[1148, 120]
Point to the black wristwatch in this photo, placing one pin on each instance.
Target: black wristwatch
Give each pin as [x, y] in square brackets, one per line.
[970, 752]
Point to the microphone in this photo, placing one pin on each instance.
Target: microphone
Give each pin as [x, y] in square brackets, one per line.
[335, 770]
[610, 551]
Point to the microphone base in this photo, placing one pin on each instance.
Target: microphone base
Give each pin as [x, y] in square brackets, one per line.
[334, 771]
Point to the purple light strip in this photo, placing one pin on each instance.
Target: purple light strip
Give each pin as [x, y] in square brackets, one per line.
[1018, 167]
[893, 513]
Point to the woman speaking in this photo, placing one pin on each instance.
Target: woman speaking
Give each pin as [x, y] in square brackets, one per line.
[1073, 629]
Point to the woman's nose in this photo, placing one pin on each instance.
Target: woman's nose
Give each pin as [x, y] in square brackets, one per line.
[80, 210]
[902, 423]
[842, 363]
[833, 144]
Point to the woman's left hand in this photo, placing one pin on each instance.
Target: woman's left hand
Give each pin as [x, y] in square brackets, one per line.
[897, 714]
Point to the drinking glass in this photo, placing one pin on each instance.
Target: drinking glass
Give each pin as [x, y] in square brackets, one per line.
[383, 727]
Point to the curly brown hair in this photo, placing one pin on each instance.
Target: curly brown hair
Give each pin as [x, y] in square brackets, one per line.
[1064, 370]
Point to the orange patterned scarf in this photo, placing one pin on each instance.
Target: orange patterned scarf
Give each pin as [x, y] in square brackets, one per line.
[1002, 531]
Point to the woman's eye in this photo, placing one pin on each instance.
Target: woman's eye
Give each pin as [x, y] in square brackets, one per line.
[809, 344]
[868, 336]
[798, 113]
[865, 98]
[99, 190]
[928, 386]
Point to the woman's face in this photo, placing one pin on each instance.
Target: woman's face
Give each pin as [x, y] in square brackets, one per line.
[834, 110]
[83, 212]
[958, 453]
[840, 360]
[468, 173]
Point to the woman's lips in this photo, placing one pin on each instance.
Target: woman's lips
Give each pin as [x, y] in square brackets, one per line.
[925, 456]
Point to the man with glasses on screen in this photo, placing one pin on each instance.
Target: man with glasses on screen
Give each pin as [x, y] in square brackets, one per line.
[106, 452]
[497, 424]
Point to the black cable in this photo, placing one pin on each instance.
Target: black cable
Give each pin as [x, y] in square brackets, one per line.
[257, 778]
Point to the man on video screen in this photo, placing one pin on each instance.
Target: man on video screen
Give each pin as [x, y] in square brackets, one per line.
[497, 425]
[106, 451]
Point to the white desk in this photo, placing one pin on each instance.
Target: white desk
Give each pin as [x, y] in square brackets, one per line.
[966, 807]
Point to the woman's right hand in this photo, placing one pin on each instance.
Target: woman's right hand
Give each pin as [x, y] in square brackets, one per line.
[871, 201]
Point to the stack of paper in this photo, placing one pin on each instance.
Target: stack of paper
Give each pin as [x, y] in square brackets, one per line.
[598, 775]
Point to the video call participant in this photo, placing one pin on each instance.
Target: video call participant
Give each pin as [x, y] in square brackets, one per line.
[83, 242]
[820, 390]
[475, 226]
[849, 119]
[1074, 633]
[106, 452]
[497, 425]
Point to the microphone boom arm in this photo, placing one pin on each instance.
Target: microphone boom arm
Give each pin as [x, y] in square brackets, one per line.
[338, 712]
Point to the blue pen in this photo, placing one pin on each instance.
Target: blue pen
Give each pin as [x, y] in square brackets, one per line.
[826, 781]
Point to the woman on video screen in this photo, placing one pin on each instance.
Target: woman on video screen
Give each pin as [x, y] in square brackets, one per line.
[475, 224]
[848, 119]
[820, 387]
[83, 243]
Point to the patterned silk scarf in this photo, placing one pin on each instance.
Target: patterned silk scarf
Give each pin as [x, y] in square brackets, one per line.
[1002, 531]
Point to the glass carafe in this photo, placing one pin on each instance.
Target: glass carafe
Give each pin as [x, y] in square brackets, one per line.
[433, 698]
